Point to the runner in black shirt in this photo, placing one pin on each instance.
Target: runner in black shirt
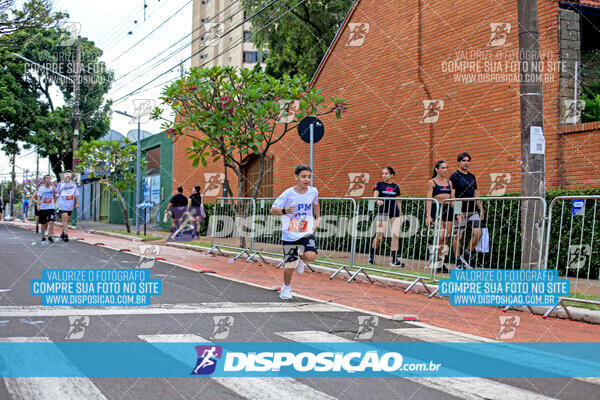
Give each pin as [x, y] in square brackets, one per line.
[388, 212]
[465, 186]
[178, 204]
[196, 208]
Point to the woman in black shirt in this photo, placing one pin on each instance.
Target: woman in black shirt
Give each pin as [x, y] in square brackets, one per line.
[440, 188]
[196, 209]
[178, 205]
[388, 212]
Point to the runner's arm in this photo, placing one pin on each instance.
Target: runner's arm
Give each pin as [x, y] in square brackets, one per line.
[317, 215]
[429, 195]
[479, 205]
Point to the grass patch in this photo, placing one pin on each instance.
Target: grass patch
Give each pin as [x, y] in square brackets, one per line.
[132, 234]
[583, 305]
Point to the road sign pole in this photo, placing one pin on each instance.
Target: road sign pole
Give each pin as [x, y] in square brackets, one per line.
[312, 139]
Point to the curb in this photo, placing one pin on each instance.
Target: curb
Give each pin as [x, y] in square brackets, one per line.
[578, 314]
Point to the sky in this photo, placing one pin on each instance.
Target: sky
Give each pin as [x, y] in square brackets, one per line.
[108, 23]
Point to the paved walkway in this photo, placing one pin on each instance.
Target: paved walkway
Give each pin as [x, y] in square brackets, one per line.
[481, 321]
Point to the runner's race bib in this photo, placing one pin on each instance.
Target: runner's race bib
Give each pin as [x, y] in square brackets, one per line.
[297, 226]
[69, 197]
[48, 201]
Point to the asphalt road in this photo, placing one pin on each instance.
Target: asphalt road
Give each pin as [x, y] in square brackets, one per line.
[258, 315]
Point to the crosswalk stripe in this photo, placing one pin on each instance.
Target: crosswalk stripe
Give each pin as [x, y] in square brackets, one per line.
[463, 387]
[250, 388]
[49, 388]
[183, 308]
[429, 334]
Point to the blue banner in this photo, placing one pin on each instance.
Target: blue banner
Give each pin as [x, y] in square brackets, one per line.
[500, 287]
[284, 359]
[95, 287]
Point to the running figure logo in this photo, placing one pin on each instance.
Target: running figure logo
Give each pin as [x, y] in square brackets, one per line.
[366, 326]
[572, 111]
[212, 33]
[500, 183]
[287, 111]
[431, 111]
[508, 326]
[358, 183]
[212, 183]
[222, 326]
[148, 254]
[579, 255]
[207, 359]
[77, 326]
[142, 108]
[358, 33]
[499, 34]
[70, 32]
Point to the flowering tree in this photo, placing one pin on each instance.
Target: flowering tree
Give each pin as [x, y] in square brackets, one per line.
[231, 114]
[29, 186]
[110, 161]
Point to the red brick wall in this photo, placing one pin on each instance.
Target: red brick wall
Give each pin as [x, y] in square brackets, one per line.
[385, 80]
[581, 156]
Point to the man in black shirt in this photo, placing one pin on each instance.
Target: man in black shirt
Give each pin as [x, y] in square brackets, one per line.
[179, 204]
[465, 186]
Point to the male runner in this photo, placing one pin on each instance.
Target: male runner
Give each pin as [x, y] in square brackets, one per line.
[68, 194]
[295, 206]
[465, 186]
[46, 195]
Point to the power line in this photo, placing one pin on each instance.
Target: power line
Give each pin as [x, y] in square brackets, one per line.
[203, 48]
[170, 55]
[154, 30]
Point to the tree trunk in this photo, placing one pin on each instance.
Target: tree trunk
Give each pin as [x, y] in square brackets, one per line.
[56, 164]
[122, 204]
[260, 175]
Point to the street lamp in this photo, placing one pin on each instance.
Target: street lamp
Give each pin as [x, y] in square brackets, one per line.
[137, 172]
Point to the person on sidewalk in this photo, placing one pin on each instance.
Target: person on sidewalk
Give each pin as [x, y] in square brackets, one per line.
[68, 195]
[178, 206]
[25, 208]
[296, 206]
[196, 209]
[439, 187]
[36, 210]
[388, 213]
[46, 195]
[465, 186]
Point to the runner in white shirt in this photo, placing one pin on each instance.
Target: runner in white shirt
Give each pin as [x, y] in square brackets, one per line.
[68, 195]
[296, 206]
[46, 194]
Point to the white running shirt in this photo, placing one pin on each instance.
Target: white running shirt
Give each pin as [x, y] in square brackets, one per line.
[296, 226]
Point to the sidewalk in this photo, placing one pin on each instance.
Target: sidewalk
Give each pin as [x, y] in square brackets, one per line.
[480, 321]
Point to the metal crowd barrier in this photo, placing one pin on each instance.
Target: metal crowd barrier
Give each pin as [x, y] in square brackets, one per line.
[498, 242]
[232, 225]
[573, 231]
[376, 236]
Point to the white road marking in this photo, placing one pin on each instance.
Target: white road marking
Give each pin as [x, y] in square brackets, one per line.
[250, 388]
[49, 388]
[440, 335]
[466, 388]
[157, 309]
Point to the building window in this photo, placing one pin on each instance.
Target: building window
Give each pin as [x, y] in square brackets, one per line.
[248, 36]
[250, 56]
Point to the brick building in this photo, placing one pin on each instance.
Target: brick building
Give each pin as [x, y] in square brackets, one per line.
[429, 79]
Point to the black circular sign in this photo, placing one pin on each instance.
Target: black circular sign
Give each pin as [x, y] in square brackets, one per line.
[304, 129]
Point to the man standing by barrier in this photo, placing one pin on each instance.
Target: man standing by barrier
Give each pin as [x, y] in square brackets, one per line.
[295, 206]
[465, 186]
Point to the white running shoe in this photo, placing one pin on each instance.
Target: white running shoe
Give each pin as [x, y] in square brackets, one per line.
[285, 293]
[300, 267]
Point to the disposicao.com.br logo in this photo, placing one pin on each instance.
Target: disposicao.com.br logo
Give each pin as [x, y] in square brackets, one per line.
[286, 363]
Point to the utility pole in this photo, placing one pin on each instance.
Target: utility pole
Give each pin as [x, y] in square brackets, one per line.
[12, 186]
[37, 164]
[532, 128]
[76, 84]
